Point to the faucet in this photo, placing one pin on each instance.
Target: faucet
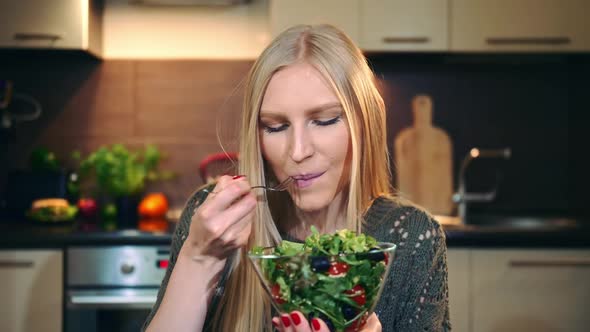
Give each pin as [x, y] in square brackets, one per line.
[461, 197]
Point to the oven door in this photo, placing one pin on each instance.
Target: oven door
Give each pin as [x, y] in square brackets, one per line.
[124, 309]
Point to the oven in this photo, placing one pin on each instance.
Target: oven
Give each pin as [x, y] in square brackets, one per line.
[112, 288]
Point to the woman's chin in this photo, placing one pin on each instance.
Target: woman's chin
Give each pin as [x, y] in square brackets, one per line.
[310, 203]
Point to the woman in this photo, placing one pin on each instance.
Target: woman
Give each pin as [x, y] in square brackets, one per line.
[311, 112]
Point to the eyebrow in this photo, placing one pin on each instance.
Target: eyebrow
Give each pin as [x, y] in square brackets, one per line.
[308, 112]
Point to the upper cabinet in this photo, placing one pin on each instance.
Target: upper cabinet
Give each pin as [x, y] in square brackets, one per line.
[56, 24]
[447, 25]
[341, 13]
[521, 25]
[401, 25]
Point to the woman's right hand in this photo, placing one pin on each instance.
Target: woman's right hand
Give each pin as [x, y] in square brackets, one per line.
[223, 222]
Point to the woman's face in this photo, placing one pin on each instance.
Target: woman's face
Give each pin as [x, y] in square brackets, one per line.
[304, 135]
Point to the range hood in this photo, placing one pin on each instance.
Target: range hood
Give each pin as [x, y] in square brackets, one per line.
[188, 2]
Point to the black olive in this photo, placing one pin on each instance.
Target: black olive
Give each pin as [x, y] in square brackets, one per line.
[328, 322]
[373, 256]
[348, 312]
[320, 263]
[323, 317]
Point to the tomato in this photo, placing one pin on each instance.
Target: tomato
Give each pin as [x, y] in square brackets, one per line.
[338, 269]
[88, 207]
[153, 225]
[357, 324]
[153, 205]
[358, 295]
[276, 294]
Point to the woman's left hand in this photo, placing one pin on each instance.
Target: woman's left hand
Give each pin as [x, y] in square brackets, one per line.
[296, 322]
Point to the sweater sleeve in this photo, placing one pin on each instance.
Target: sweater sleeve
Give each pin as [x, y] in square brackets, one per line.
[415, 296]
[180, 234]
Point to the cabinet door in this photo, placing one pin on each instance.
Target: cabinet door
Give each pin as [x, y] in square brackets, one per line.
[341, 13]
[31, 291]
[458, 263]
[43, 24]
[417, 25]
[527, 290]
[521, 25]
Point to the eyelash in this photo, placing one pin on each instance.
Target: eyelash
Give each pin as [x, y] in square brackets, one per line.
[282, 127]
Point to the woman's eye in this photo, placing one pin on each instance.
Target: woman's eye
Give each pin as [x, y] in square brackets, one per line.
[328, 122]
[274, 129]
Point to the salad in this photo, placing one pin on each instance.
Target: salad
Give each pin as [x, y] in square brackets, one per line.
[335, 277]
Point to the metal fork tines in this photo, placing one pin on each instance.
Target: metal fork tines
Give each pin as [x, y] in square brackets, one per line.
[279, 187]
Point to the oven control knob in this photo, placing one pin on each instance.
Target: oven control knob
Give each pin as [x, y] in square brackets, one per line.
[127, 268]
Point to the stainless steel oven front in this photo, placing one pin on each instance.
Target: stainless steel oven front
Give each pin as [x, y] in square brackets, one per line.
[112, 288]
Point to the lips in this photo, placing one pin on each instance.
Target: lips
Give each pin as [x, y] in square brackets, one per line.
[307, 176]
[306, 180]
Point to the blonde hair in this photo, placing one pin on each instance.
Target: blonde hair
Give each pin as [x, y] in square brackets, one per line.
[244, 306]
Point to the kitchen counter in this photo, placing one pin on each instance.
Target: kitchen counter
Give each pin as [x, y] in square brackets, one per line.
[505, 237]
[31, 235]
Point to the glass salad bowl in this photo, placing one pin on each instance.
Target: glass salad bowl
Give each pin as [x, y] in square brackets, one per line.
[337, 283]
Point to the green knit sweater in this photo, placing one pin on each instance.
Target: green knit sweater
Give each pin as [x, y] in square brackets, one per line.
[415, 295]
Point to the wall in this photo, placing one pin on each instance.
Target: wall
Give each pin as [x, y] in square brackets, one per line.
[175, 105]
[534, 105]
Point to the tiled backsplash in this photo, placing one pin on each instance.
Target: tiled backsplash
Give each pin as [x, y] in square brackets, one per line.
[532, 104]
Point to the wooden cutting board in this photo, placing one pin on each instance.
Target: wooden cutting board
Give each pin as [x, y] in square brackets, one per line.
[423, 161]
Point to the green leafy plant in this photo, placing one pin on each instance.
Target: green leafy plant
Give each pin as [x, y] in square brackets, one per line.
[44, 160]
[120, 172]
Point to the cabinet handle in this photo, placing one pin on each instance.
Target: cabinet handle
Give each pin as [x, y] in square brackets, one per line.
[16, 264]
[528, 40]
[36, 36]
[405, 40]
[113, 301]
[551, 263]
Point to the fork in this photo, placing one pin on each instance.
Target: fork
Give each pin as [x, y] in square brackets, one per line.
[279, 187]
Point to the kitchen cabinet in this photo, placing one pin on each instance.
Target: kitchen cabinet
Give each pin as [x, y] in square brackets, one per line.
[56, 24]
[31, 285]
[530, 290]
[458, 263]
[401, 25]
[340, 13]
[521, 25]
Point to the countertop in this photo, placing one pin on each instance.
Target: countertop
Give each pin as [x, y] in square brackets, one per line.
[28, 235]
[31, 235]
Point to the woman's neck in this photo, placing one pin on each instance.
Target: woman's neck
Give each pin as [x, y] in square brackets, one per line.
[327, 220]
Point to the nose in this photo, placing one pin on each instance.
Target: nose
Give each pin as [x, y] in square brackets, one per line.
[301, 145]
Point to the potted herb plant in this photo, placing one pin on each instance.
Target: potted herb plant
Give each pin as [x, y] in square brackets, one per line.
[122, 175]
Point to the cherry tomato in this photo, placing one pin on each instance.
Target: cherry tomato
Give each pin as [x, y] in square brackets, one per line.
[359, 295]
[276, 294]
[338, 269]
[357, 324]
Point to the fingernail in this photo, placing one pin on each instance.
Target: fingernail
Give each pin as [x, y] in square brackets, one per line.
[295, 318]
[315, 323]
[238, 177]
[275, 324]
[286, 321]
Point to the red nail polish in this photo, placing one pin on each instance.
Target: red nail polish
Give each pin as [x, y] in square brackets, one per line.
[295, 318]
[286, 321]
[275, 324]
[316, 324]
[238, 177]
